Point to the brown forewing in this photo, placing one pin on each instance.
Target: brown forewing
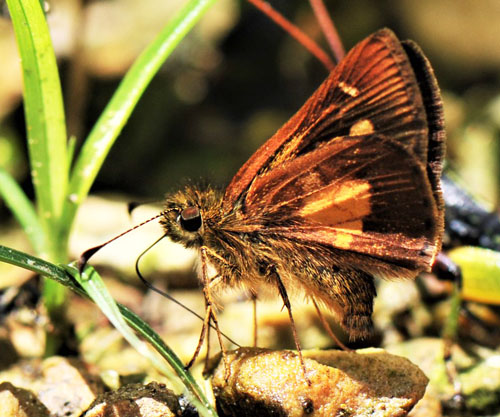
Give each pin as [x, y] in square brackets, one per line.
[357, 167]
[374, 88]
[366, 195]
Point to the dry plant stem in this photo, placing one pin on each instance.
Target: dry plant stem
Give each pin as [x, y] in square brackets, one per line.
[329, 329]
[446, 269]
[328, 27]
[295, 32]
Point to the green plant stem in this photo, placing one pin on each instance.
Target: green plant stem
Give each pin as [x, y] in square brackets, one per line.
[451, 324]
[46, 131]
[23, 210]
[45, 122]
[93, 284]
[58, 201]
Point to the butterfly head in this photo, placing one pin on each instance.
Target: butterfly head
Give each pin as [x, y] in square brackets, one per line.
[186, 213]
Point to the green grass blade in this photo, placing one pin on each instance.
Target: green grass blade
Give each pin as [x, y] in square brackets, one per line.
[44, 114]
[93, 284]
[68, 276]
[23, 210]
[39, 266]
[117, 112]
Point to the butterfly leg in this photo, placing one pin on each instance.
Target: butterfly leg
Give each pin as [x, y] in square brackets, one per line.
[210, 314]
[286, 302]
[254, 304]
[328, 329]
[203, 334]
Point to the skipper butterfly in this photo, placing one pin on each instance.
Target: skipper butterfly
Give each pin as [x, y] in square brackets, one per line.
[346, 191]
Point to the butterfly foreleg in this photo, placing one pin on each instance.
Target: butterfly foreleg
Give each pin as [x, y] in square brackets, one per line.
[203, 334]
[210, 314]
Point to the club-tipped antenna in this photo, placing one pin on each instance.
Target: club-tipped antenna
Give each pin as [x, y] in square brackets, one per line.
[167, 295]
[85, 256]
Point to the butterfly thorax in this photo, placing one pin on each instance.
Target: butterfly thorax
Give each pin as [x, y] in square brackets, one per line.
[194, 218]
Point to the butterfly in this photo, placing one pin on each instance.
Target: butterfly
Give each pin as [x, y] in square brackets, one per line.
[345, 191]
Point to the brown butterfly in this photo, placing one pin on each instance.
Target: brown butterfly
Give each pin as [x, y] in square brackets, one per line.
[347, 190]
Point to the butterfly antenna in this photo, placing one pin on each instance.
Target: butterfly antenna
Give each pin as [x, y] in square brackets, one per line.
[165, 294]
[85, 256]
[328, 28]
[294, 32]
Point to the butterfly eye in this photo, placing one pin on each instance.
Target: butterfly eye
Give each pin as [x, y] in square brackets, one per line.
[190, 219]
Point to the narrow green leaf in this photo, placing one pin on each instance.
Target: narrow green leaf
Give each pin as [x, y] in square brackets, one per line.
[23, 210]
[93, 284]
[44, 113]
[450, 328]
[117, 112]
[68, 276]
[39, 266]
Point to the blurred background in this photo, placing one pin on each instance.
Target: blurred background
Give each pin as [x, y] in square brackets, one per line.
[238, 77]
[227, 88]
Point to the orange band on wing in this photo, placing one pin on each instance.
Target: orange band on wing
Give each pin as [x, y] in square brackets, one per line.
[342, 204]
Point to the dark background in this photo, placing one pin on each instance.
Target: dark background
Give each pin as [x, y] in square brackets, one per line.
[237, 77]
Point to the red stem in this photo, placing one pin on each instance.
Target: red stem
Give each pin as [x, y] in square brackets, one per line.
[295, 32]
[328, 27]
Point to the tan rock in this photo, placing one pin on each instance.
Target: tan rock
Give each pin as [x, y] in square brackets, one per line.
[370, 382]
[18, 402]
[136, 400]
[67, 388]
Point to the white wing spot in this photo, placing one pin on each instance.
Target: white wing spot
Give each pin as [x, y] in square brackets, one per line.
[362, 127]
[348, 89]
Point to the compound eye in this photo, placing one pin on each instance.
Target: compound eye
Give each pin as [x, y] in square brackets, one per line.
[190, 219]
